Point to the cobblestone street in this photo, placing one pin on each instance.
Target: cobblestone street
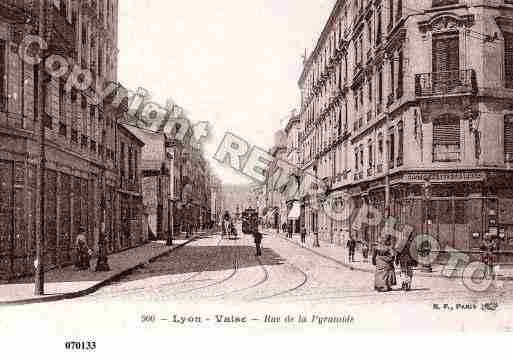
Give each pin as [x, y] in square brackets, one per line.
[218, 269]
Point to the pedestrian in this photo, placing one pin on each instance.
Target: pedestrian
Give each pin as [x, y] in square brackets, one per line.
[406, 262]
[290, 230]
[257, 236]
[351, 245]
[284, 227]
[383, 258]
[488, 247]
[365, 251]
[303, 235]
[83, 260]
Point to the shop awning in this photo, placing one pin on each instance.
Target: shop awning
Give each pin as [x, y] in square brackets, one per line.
[295, 211]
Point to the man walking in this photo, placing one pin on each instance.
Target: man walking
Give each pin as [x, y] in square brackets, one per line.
[257, 236]
[351, 245]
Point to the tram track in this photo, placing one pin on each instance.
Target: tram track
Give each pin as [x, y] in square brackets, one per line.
[287, 291]
[219, 282]
[256, 285]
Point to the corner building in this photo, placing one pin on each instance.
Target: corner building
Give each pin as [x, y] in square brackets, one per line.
[408, 106]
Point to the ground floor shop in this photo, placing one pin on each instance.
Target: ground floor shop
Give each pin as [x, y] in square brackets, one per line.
[457, 208]
[73, 195]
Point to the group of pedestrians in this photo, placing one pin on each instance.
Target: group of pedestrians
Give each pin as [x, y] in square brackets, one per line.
[385, 257]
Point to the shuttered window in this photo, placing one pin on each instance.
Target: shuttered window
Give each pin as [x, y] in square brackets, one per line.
[508, 138]
[2, 76]
[508, 58]
[446, 139]
[446, 62]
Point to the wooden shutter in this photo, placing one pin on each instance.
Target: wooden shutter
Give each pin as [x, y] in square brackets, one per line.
[2, 75]
[446, 54]
[508, 138]
[508, 58]
[446, 131]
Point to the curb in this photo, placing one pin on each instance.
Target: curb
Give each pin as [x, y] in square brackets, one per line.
[364, 270]
[94, 288]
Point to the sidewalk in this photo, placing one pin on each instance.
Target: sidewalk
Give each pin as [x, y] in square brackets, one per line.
[340, 255]
[67, 283]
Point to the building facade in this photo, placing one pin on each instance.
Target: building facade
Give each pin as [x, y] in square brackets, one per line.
[82, 139]
[291, 197]
[407, 106]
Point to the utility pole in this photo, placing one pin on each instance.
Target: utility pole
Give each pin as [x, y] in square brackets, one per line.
[39, 262]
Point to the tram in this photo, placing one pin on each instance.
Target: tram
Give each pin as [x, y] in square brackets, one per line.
[249, 220]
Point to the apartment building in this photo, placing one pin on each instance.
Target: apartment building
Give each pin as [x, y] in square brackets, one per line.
[291, 196]
[407, 105]
[86, 161]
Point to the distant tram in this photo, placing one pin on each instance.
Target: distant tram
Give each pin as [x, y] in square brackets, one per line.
[249, 220]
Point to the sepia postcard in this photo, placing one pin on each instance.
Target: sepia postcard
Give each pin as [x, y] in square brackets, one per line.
[247, 168]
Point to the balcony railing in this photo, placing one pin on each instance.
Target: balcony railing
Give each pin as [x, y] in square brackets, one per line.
[370, 172]
[445, 83]
[63, 35]
[444, 2]
[380, 168]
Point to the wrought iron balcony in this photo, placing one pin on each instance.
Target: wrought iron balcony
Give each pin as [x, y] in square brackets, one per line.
[370, 172]
[62, 39]
[437, 3]
[445, 83]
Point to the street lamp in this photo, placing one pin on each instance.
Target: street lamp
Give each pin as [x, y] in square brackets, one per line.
[424, 250]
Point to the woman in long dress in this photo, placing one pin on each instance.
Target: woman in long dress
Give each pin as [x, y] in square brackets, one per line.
[383, 258]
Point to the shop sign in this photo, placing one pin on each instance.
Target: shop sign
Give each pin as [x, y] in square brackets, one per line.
[445, 176]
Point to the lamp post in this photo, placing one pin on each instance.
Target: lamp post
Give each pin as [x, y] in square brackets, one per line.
[424, 251]
[39, 261]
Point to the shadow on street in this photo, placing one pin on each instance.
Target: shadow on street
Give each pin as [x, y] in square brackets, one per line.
[205, 259]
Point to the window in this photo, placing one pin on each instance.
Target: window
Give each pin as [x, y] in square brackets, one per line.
[508, 58]
[399, 10]
[380, 86]
[62, 101]
[391, 148]
[371, 155]
[84, 34]
[392, 75]
[378, 27]
[508, 139]
[356, 160]
[380, 148]
[446, 63]
[2, 76]
[36, 91]
[446, 139]
[370, 89]
[390, 13]
[122, 161]
[400, 74]
[400, 144]
[130, 166]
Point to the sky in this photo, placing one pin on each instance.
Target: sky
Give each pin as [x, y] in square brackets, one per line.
[233, 63]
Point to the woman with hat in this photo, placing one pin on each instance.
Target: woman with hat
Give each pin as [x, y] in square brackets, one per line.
[383, 258]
